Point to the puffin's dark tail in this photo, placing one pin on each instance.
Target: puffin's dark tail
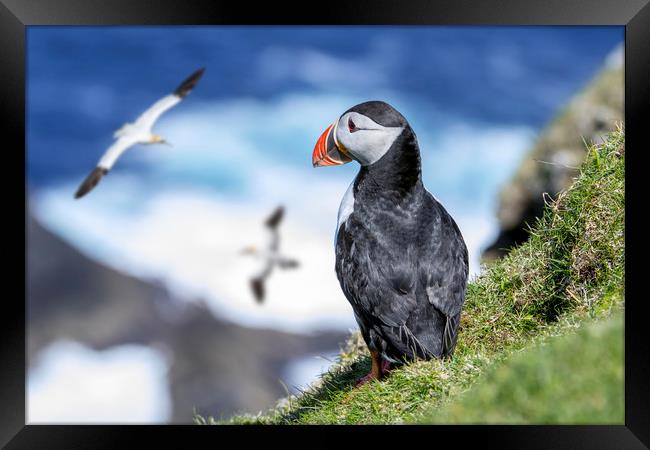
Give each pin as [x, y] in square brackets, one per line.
[450, 334]
[91, 181]
[423, 336]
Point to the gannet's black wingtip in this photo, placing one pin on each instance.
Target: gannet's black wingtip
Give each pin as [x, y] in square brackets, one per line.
[257, 285]
[275, 218]
[90, 182]
[188, 84]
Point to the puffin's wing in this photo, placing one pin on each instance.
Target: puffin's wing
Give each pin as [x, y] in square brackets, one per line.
[444, 276]
[374, 279]
[104, 165]
[149, 117]
[413, 293]
[452, 268]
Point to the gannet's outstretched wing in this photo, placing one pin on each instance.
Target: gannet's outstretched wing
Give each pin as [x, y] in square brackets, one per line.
[257, 281]
[272, 227]
[275, 218]
[287, 263]
[149, 117]
[105, 164]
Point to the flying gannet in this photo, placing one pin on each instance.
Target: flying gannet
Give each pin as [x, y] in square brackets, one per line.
[269, 256]
[138, 132]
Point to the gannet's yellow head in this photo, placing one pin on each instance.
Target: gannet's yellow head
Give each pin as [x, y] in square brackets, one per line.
[158, 139]
[250, 250]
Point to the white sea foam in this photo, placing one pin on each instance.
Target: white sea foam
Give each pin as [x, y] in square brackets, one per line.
[304, 371]
[71, 383]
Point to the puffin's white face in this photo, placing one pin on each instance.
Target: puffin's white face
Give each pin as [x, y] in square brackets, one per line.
[364, 139]
[354, 136]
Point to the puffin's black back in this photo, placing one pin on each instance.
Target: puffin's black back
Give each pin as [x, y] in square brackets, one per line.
[400, 257]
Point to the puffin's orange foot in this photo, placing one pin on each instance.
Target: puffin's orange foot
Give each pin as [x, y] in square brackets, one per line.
[366, 379]
[380, 368]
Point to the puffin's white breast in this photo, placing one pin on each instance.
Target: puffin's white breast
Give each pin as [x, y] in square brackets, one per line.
[345, 209]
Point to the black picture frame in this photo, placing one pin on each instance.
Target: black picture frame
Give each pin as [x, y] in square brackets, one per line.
[16, 15]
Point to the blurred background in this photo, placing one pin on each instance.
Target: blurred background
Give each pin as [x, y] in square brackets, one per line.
[139, 307]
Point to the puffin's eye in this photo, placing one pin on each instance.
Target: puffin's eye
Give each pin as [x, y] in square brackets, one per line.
[351, 126]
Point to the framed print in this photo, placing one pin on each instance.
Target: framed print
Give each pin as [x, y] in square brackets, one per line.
[381, 214]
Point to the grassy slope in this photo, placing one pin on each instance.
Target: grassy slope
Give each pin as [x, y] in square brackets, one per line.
[570, 273]
[571, 379]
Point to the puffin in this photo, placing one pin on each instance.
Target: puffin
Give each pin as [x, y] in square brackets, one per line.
[401, 259]
[270, 256]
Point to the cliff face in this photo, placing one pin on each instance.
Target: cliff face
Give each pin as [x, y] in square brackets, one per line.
[552, 163]
[216, 366]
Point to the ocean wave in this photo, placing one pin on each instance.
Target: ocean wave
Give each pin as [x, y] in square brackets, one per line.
[72, 383]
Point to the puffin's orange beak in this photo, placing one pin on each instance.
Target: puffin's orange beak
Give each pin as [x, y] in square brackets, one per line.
[327, 151]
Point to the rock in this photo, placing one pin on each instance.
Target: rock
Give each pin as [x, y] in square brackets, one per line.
[553, 162]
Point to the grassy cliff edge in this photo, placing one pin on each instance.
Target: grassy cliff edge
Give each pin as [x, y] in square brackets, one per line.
[556, 291]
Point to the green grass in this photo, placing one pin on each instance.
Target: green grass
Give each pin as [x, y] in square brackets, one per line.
[568, 274]
[571, 379]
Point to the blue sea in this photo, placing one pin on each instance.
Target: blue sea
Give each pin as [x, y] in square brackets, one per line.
[83, 82]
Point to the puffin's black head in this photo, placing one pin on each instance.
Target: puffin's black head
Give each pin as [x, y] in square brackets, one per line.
[363, 133]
